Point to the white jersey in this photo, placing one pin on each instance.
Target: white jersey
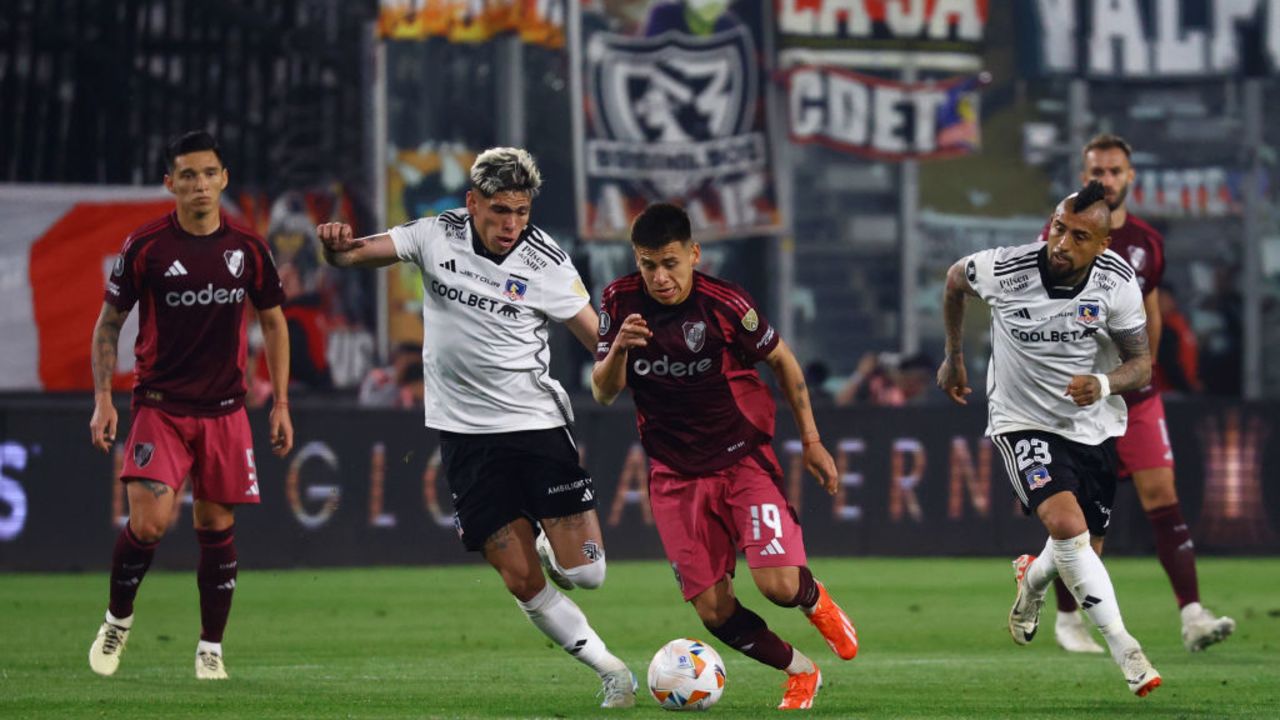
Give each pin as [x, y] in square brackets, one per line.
[485, 355]
[1042, 335]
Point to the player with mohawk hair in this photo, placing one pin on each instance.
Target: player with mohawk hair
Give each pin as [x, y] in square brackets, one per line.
[1068, 335]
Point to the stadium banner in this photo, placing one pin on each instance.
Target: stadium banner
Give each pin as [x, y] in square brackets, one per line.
[944, 35]
[365, 487]
[673, 109]
[537, 22]
[875, 117]
[422, 181]
[58, 244]
[1145, 40]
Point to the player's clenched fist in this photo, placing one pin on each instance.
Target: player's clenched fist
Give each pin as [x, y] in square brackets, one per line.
[1084, 390]
[336, 236]
[634, 333]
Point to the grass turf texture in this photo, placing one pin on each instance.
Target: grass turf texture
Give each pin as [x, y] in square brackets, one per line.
[449, 642]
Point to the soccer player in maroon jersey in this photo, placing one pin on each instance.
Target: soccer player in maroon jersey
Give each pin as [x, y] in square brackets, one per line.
[1144, 450]
[191, 273]
[686, 344]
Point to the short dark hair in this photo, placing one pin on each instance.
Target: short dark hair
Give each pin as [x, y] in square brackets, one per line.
[659, 225]
[1107, 141]
[194, 141]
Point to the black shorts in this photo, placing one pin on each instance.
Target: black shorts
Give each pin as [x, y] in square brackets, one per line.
[1041, 464]
[500, 477]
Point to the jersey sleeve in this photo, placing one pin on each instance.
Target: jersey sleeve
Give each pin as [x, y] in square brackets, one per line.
[1157, 262]
[265, 291]
[563, 294]
[411, 240]
[1127, 312]
[611, 318]
[753, 336]
[124, 285]
[979, 271]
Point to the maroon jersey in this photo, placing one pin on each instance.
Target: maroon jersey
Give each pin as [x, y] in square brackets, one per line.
[700, 404]
[1143, 247]
[191, 292]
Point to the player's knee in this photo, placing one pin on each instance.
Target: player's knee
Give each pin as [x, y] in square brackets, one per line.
[524, 586]
[148, 530]
[589, 576]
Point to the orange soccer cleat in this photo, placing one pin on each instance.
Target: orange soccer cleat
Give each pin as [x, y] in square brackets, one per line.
[835, 626]
[801, 688]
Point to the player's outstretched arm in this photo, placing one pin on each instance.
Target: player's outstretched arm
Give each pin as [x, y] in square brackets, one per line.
[953, 377]
[104, 354]
[275, 333]
[584, 326]
[609, 376]
[343, 249]
[791, 379]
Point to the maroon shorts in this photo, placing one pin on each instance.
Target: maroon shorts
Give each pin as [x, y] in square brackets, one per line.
[703, 521]
[217, 452]
[1145, 444]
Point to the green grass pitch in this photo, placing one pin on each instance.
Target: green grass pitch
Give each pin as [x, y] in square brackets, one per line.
[449, 642]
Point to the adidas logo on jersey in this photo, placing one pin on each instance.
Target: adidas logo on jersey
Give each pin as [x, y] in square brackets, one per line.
[1022, 313]
[773, 548]
[176, 269]
[588, 496]
[450, 265]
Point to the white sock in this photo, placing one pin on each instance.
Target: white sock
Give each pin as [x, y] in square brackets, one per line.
[799, 663]
[203, 646]
[1086, 577]
[126, 623]
[1043, 570]
[561, 620]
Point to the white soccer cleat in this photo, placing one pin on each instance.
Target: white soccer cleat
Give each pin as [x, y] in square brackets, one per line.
[1138, 672]
[618, 688]
[548, 557]
[1073, 635]
[104, 654]
[1024, 616]
[1200, 628]
[209, 666]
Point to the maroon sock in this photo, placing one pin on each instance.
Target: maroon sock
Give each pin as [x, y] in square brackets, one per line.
[1066, 601]
[216, 578]
[1176, 551]
[130, 560]
[806, 595]
[746, 632]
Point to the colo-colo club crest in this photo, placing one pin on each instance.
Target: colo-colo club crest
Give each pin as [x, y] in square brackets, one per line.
[674, 110]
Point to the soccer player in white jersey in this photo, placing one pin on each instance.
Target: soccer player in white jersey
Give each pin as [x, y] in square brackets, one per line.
[1068, 334]
[492, 283]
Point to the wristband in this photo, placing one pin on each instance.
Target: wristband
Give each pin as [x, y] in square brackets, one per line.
[1105, 383]
[810, 438]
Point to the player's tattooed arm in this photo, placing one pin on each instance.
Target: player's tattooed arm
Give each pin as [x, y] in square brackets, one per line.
[1135, 355]
[104, 354]
[953, 377]
[106, 345]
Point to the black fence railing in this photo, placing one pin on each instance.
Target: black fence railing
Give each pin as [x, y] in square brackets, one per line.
[91, 90]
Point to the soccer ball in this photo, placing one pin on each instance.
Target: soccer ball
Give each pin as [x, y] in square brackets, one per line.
[686, 675]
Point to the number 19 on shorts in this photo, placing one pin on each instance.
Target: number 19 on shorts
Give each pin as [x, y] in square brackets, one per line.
[768, 515]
